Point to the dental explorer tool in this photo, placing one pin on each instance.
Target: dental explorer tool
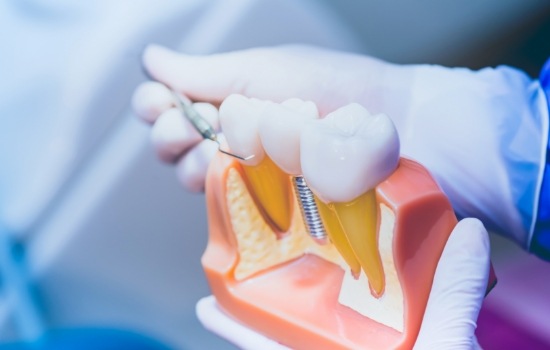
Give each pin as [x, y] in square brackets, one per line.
[306, 200]
[200, 124]
[310, 212]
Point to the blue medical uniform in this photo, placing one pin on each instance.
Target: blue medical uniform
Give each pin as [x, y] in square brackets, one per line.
[540, 243]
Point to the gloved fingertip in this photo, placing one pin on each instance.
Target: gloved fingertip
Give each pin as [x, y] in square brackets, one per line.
[172, 135]
[191, 169]
[150, 100]
[158, 61]
[151, 52]
[472, 224]
[458, 289]
[472, 237]
[148, 56]
[191, 182]
[209, 112]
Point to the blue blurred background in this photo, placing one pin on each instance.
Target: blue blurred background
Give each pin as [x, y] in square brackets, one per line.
[100, 233]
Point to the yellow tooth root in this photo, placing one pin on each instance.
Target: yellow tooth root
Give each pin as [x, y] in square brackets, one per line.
[338, 237]
[271, 190]
[359, 222]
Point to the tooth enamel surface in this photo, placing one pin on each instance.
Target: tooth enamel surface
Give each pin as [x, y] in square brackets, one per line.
[348, 153]
[239, 117]
[280, 128]
[303, 107]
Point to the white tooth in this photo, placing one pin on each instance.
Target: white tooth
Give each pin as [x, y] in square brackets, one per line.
[348, 153]
[280, 128]
[239, 117]
[303, 107]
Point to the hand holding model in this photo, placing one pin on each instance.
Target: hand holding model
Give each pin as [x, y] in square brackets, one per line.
[453, 306]
[482, 134]
[448, 119]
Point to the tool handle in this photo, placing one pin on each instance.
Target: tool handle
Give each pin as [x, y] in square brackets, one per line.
[199, 123]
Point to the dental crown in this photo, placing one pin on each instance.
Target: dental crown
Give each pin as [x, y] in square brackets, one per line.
[348, 153]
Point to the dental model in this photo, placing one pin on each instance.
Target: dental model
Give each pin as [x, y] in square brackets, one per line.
[344, 157]
[267, 183]
[286, 122]
[386, 219]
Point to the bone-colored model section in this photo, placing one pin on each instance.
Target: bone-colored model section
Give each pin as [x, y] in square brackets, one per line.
[344, 156]
[269, 186]
[258, 248]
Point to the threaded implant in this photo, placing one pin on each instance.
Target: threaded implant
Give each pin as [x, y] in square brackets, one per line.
[310, 212]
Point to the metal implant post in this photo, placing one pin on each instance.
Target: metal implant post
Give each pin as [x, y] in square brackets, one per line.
[310, 212]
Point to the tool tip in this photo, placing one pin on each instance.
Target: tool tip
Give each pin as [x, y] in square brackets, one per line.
[233, 155]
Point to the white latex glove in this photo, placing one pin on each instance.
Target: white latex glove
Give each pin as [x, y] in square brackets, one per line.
[453, 306]
[173, 137]
[482, 134]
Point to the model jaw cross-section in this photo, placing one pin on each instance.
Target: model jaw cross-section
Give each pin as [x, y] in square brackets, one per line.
[386, 219]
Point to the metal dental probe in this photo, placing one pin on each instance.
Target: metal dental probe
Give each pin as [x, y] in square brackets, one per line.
[200, 124]
[310, 212]
[306, 200]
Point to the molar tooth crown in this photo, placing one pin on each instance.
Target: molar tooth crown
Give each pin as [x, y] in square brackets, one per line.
[348, 153]
[343, 158]
[269, 186]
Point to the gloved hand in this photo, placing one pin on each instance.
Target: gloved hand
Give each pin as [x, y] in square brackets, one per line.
[482, 134]
[174, 138]
[449, 322]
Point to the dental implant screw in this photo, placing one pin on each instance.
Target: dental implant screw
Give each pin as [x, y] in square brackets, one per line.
[310, 212]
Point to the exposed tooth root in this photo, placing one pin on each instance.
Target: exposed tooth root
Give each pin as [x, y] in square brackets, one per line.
[358, 219]
[338, 237]
[270, 188]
